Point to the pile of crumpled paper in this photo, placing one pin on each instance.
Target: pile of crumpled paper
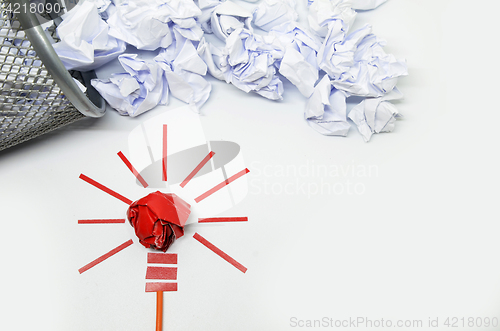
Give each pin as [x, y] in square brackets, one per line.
[323, 58]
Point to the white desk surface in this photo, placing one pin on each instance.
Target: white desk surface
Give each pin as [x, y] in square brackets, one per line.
[418, 240]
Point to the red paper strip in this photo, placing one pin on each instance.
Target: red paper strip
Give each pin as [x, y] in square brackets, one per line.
[164, 156]
[221, 185]
[102, 221]
[198, 168]
[222, 219]
[162, 258]
[105, 189]
[132, 169]
[217, 251]
[161, 287]
[105, 256]
[161, 273]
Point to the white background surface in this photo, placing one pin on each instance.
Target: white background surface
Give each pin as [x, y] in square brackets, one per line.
[420, 242]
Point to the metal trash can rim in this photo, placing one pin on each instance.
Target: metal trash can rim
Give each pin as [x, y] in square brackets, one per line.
[55, 67]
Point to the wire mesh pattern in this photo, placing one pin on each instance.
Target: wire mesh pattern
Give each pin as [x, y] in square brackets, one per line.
[31, 103]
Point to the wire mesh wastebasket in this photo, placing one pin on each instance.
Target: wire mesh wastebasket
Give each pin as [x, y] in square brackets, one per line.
[37, 93]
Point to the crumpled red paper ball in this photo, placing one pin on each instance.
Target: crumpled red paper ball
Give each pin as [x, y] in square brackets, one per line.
[158, 219]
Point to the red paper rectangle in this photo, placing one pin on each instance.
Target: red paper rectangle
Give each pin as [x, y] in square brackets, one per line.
[105, 256]
[132, 169]
[102, 221]
[217, 251]
[222, 219]
[169, 273]
[105, 189]
[198, 168]
[164, 258]
[221, 185]
[161, 287]
[164, 154]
